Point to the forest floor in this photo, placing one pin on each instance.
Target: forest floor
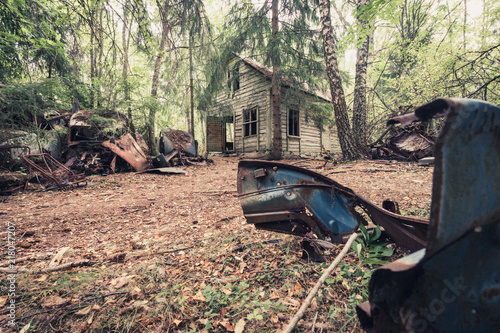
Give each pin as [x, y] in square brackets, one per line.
[161, 259]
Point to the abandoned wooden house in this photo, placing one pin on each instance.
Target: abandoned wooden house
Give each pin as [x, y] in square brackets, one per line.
[242, 120]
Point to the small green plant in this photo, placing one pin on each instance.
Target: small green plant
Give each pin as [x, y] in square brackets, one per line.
[370, 249]
[256, 314]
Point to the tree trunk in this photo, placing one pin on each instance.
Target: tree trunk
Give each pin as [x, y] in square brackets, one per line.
[100, 43]
[154, 87]
[359, 105]
[344, 132]
[275, 88]
[126, 85]
[191, 90]
[92, 59]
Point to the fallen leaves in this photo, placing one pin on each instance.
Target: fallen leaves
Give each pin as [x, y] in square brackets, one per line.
[55, 301]
[291, 303]
[121, 281]
[42, 278]
[199, 296]
[3, 300]
[83, 312]
[240, 326]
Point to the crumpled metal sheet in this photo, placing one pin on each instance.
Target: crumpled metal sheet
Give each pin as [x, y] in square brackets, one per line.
[128, 149]
[454, 286]
[289, 199]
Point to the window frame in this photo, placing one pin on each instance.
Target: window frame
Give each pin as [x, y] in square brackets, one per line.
[250, 125]
[293, 131]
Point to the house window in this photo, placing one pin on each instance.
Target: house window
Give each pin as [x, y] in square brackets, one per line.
[250, 122]
[233, 78]
[293, 122]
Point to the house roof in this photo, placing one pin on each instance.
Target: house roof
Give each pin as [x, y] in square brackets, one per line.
[268, 73]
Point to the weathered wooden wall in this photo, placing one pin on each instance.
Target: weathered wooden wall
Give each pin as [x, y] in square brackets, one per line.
[254, 91]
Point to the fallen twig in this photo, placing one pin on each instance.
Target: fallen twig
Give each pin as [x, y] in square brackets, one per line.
[56, 260]
[80, 263]
[49, 269]
[318, 284]
[161, 252]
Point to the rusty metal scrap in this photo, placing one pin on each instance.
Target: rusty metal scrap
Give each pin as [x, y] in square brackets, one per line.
[178, 148]
[128, 149]
[289, 199]
[454, 284]
[408, 144]
[178, 140]
[50, 173]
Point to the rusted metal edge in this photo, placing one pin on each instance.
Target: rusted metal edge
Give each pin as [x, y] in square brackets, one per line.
[408, 232]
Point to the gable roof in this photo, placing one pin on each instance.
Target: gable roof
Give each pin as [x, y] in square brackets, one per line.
[268, 73]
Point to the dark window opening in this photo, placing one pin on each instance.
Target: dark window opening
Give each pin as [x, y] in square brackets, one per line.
[236, 79]
[250, 122]
[233, 78]
[229, 142]
[293, 122]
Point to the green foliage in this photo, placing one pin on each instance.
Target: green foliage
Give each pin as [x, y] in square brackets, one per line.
[32, 35]
[321, 114]
[413, 211]
[370, 249]
[21, 104]
[420, 52]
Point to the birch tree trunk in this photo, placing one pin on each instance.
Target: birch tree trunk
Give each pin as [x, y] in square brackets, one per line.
[100, 45]
[275, 88]
[359, 104]
[344, 132]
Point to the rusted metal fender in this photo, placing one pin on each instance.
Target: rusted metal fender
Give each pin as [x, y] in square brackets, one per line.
[289, 199]
[454, 286]
[128, 149]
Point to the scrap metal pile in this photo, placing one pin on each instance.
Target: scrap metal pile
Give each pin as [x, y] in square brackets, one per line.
[177, 148]
[94, 144]
[410, 143]
[285, 198]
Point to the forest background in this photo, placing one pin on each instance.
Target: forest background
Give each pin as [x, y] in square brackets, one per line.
[161, 63]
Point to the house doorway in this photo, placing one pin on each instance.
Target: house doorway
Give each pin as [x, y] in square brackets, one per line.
[220, 134]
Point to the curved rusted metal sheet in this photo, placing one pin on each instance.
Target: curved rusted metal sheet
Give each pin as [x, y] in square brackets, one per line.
[285, 198]
[455, 286]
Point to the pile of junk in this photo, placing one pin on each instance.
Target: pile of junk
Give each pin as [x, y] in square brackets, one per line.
[68, 147]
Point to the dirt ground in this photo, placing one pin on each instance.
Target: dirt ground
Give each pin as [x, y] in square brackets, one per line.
[149, 239]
